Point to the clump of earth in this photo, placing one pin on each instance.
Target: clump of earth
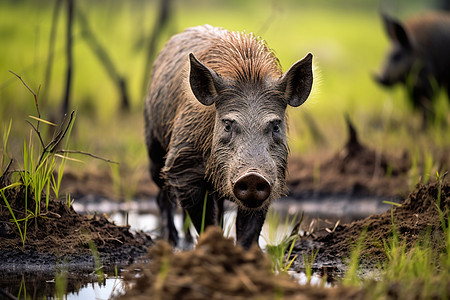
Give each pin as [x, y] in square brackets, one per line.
[215, 269]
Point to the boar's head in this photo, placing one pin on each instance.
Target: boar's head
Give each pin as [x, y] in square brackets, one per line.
[248, 156]
[401, 57]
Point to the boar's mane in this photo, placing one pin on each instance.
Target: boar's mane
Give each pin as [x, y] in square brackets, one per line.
[242, 57]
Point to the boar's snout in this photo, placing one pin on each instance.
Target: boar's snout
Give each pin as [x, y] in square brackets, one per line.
[383, 80]
[252, 189]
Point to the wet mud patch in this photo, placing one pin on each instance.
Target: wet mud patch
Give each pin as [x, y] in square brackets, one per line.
[410, 221]
[217, 269]
[60, 237]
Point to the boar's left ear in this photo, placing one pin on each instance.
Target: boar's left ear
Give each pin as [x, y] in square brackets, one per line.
[296, 83]
[205, 83]
[396, 31]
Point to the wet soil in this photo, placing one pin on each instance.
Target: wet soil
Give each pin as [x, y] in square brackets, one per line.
[217, 269]
[355, 170]
[61, 238]
[409, 222]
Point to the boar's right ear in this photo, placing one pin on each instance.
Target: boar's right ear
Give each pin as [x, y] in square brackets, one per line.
[396, 31]
[296, 83]
[204, 82]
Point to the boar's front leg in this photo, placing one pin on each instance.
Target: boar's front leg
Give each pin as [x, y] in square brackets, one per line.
[167, 207]
[184, 174]
[249, 225]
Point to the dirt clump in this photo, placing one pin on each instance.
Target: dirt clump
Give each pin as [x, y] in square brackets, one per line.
[217, 269]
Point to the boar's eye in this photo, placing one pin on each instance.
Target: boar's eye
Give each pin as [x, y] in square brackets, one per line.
[276, 126]
[396, 56]
[227, 125]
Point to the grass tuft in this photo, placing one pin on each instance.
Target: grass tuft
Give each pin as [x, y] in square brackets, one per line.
[280, 239]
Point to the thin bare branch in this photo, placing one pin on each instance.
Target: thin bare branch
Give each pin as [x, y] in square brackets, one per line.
[51, 48]
[164, 15]
[35, 95]
[31, 91]
[101, 52]
[37, 132]
[88, 154]
[69, 55]
[61, 136]
[51, 147]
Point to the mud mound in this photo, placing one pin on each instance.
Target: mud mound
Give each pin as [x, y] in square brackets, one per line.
[416, 214]
[61, 234]
[217, 269]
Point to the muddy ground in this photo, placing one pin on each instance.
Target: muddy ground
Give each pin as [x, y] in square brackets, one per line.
[216, 269]
[60, 239]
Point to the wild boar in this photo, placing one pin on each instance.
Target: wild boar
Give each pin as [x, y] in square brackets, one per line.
[419, 58]
[215, 123]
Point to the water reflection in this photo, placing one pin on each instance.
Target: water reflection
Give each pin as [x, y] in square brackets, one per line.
[111, 287]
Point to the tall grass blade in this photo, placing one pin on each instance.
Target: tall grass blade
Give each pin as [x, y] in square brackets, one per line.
[42, 120]
[202, 229]
[4, 156]
[22, 235]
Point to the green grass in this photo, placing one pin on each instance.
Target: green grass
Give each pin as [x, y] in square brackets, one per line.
[280, 237]
[37, 170]
[37, 178]
[308, 260]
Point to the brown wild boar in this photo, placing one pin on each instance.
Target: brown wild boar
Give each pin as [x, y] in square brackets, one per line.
[419, 58]
[215, 121]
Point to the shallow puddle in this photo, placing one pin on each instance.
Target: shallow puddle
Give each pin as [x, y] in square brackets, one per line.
[143, 215]
[109, 288]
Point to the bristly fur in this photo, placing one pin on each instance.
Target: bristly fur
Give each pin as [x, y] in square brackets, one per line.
[248, 59]
[215, 123]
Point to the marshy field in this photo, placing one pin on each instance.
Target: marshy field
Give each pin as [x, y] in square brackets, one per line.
[366, 212]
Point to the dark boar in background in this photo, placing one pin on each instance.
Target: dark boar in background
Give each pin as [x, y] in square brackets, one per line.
[419, 58]
[215, 120]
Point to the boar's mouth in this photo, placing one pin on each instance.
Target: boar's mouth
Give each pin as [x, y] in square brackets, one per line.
[382, 80]
[385, 80]
[252, 190]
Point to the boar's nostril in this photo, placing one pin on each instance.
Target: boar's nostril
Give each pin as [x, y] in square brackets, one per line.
[261, 187]
[252, 189]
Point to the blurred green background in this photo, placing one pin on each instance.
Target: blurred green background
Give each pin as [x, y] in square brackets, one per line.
[345, 37]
